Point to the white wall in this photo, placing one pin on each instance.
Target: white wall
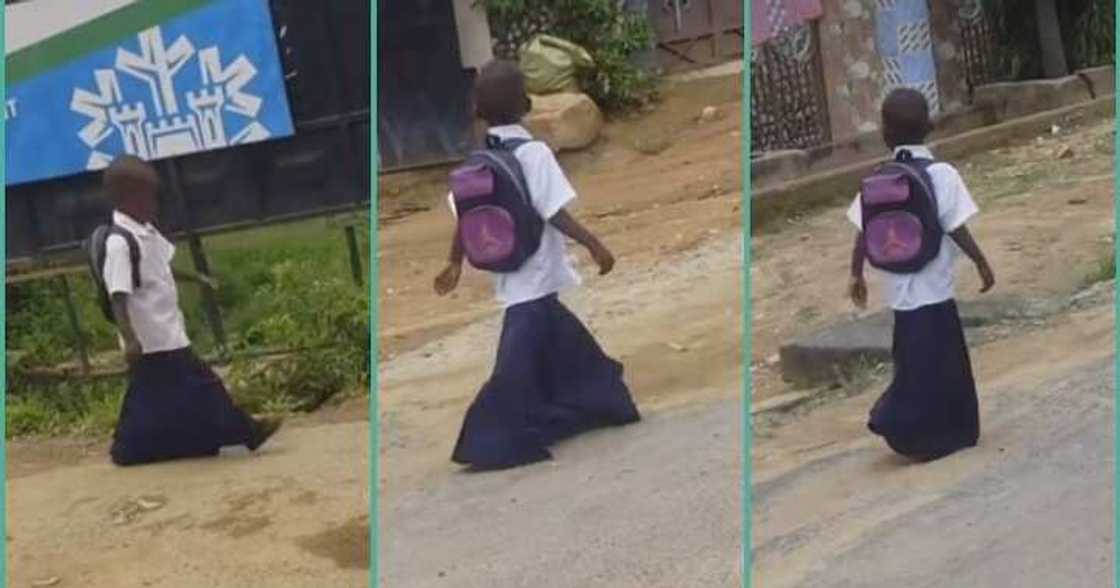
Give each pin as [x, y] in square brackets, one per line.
[474, 33]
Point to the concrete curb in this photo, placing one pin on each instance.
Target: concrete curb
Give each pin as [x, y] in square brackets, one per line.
[839, 185]
[829, 354]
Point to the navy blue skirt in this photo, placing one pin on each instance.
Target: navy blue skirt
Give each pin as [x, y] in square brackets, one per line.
[551, 380]
[930, 409]
[176, 407]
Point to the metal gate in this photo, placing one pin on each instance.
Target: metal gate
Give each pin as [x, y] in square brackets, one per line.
[984, 57]
[697, 33]
[789, 109]
[423, 110]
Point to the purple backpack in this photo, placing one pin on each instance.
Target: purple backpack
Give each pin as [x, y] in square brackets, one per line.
[901, 230]
[498, 227]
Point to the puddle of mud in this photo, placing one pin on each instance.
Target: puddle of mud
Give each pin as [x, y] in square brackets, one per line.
[347, 545]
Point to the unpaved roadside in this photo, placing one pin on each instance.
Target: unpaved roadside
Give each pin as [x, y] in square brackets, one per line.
[294, 515]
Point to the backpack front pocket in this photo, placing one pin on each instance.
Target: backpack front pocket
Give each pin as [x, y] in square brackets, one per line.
[893, 237]
[489, 234]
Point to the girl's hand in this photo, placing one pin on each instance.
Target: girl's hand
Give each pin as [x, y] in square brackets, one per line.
[448, 279]
[987, 277]
[857, 291]
[603, 258]
[132, 352]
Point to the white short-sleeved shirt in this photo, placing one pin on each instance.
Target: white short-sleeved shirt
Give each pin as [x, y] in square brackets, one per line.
[549, 270]
[955, 206]
[153, 308]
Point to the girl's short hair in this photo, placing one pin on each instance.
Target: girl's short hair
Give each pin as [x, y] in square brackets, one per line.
[499, 93]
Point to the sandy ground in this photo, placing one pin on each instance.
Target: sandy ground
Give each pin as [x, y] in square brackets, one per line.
[294, 515]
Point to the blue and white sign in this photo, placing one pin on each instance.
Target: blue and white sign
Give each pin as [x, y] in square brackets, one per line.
[206, 79]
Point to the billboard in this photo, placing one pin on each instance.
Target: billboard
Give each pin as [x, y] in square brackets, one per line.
[150, 78]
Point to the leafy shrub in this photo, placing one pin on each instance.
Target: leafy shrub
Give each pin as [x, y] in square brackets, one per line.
[612, 35]
[58, 407]
[326, 319]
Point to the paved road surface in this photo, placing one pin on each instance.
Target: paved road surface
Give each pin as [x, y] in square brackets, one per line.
[1032, 507]
[652, 505]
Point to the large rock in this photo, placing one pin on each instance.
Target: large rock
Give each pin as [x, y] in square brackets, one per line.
[566, 122]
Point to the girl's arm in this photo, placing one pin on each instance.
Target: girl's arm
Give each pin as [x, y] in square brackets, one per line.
[189, 276]
[963, 238]
[455, 257]
[569, 226]
[132, 350]
[857, 286]
[448, 279]
[858, 256]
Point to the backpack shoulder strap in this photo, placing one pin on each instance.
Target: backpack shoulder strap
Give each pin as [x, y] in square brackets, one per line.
[500, 155]
[511, 145]
[133, 250]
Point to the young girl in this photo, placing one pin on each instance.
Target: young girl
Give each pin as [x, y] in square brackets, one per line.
[175, 406]
[551, 380]
[930, 409]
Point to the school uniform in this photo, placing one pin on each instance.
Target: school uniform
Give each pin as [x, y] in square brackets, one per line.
[930, 408]
[551, 379]
[175, 406]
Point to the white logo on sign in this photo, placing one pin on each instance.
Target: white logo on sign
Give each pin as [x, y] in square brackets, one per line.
[168, 129]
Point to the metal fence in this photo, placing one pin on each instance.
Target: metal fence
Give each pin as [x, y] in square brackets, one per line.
[697, 33]
[983, 53]
[789, 108]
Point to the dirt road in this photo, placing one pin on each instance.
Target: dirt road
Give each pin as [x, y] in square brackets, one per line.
[293, 516]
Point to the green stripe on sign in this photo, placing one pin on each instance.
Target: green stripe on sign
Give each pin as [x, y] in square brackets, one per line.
[93, 35]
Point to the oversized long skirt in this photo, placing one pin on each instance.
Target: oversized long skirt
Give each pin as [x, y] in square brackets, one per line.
[551, 380]
[930, 409]
[176, 407]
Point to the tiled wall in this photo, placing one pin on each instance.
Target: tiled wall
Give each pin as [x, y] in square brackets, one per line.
[870, 46]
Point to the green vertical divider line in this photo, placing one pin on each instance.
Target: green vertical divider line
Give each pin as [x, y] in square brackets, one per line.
[745, 367]
[3, 321]
[375, 315]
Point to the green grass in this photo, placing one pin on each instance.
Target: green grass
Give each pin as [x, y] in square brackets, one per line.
[78, 408]
[282, 287]
[1104, 271]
